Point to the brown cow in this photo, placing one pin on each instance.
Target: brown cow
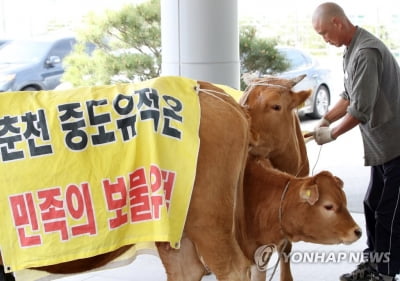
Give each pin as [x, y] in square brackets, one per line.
[224, 139]
[217, 201]
[280, 207]
[276, 135]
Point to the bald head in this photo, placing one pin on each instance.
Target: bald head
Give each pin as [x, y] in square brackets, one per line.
[330, 21]
[326, 11]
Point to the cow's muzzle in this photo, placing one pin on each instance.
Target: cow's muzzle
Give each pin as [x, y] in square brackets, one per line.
[353, 235]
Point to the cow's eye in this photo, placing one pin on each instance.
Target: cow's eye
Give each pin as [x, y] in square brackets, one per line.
[276, 107]
[328, 207]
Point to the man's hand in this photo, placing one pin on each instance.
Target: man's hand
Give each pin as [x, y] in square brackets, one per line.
[323, 135]
[322, 123]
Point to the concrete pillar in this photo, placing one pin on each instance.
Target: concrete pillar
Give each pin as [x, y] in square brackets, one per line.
[200, 40]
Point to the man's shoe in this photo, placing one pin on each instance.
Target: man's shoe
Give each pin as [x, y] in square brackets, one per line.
[5, 276]
[363, 272]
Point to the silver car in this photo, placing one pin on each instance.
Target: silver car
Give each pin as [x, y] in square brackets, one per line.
[317, 79]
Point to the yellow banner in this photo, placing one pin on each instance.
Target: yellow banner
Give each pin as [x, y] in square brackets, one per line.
[236, 94]
[88, 170]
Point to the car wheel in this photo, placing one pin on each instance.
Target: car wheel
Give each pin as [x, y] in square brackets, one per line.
[30, 88]
[321, 102]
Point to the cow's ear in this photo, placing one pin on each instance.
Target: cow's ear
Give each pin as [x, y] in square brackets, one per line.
[300, 97]
[309, 193]
[339, 181]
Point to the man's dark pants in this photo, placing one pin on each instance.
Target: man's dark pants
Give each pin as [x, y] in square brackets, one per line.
[382, 214]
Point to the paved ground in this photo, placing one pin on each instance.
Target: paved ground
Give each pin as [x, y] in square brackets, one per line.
[311, 262]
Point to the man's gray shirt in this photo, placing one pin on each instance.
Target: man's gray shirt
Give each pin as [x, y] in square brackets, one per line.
[372, 84]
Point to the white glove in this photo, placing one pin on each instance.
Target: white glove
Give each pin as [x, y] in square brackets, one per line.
[322, 123]
[323, 135]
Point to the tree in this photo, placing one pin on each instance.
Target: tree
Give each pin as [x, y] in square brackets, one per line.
[128, 46]
[259, 54]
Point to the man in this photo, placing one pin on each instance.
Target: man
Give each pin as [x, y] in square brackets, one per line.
[371, 100]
